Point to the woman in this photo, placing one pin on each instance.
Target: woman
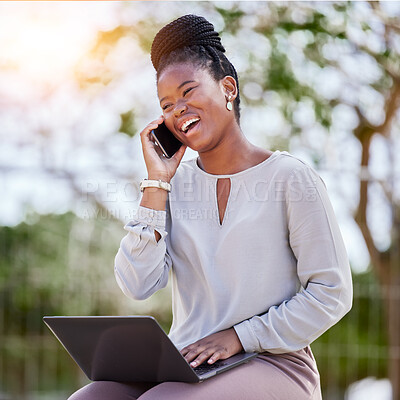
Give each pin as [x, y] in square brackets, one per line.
[257, 259]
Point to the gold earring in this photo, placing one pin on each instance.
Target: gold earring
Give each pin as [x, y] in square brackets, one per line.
[229, 104]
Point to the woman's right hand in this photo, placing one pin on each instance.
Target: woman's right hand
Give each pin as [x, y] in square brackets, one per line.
[158, 166]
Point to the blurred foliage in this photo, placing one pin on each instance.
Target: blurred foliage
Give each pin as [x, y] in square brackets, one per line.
[108, 40]
[231, 18]
[145, 31]
[356, 347]
[57, 254]
[128, 123]
[57, 265]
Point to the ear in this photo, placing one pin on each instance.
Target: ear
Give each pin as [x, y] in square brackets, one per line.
[229, 87]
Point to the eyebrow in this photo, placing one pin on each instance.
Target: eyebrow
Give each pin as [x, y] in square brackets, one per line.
[181, 85]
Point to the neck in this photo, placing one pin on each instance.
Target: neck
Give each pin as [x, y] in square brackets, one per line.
[233, 154]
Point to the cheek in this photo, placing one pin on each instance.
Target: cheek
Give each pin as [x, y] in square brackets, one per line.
[215, 109]
[168, 117]
[208, 103]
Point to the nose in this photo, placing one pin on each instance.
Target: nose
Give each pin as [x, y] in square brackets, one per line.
[180, 108]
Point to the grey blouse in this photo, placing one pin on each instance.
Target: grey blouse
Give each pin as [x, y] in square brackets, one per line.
[276, 269]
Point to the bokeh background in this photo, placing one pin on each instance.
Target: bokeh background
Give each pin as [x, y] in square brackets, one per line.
[319, 79]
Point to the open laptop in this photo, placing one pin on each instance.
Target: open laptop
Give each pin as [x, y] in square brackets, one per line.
[130, 349]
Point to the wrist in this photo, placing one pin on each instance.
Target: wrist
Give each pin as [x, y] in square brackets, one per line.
[159, 177]
[155, 183]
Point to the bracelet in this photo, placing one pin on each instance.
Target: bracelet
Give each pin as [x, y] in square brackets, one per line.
[145, 183]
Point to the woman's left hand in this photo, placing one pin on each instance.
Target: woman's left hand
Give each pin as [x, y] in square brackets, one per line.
[218, 346]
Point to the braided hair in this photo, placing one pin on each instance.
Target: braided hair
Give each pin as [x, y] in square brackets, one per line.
[191, 38]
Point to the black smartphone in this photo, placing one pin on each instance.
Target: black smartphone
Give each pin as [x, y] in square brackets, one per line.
[166, 140]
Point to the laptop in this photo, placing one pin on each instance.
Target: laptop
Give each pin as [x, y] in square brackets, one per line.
[130, 349]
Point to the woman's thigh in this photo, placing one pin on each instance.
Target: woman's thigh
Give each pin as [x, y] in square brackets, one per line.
[105, 390]
[268, 377]
[291, 376]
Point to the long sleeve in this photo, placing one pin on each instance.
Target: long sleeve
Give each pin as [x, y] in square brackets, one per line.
[142, 264]
[323, 270]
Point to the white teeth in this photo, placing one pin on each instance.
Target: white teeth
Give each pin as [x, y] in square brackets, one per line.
[188, 122]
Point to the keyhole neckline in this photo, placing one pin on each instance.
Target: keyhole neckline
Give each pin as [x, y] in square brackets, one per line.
[222, 199]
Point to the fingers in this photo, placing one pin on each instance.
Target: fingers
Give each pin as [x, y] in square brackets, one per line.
[157, 164]
[144, 135]
[179, 154]
[216, 356]
[197, 354]
[207, 356]
[218, 346]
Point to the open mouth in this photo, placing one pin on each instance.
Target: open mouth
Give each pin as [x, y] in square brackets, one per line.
[189, 124]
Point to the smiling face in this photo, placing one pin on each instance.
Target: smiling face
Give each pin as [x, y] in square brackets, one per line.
[194, 105]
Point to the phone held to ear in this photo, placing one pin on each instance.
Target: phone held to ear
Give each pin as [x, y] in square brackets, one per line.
[166, 140]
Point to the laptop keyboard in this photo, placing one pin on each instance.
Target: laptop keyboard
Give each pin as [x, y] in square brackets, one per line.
[205, 367]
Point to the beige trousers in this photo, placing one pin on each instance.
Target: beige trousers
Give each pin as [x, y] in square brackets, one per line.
[289, 376]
